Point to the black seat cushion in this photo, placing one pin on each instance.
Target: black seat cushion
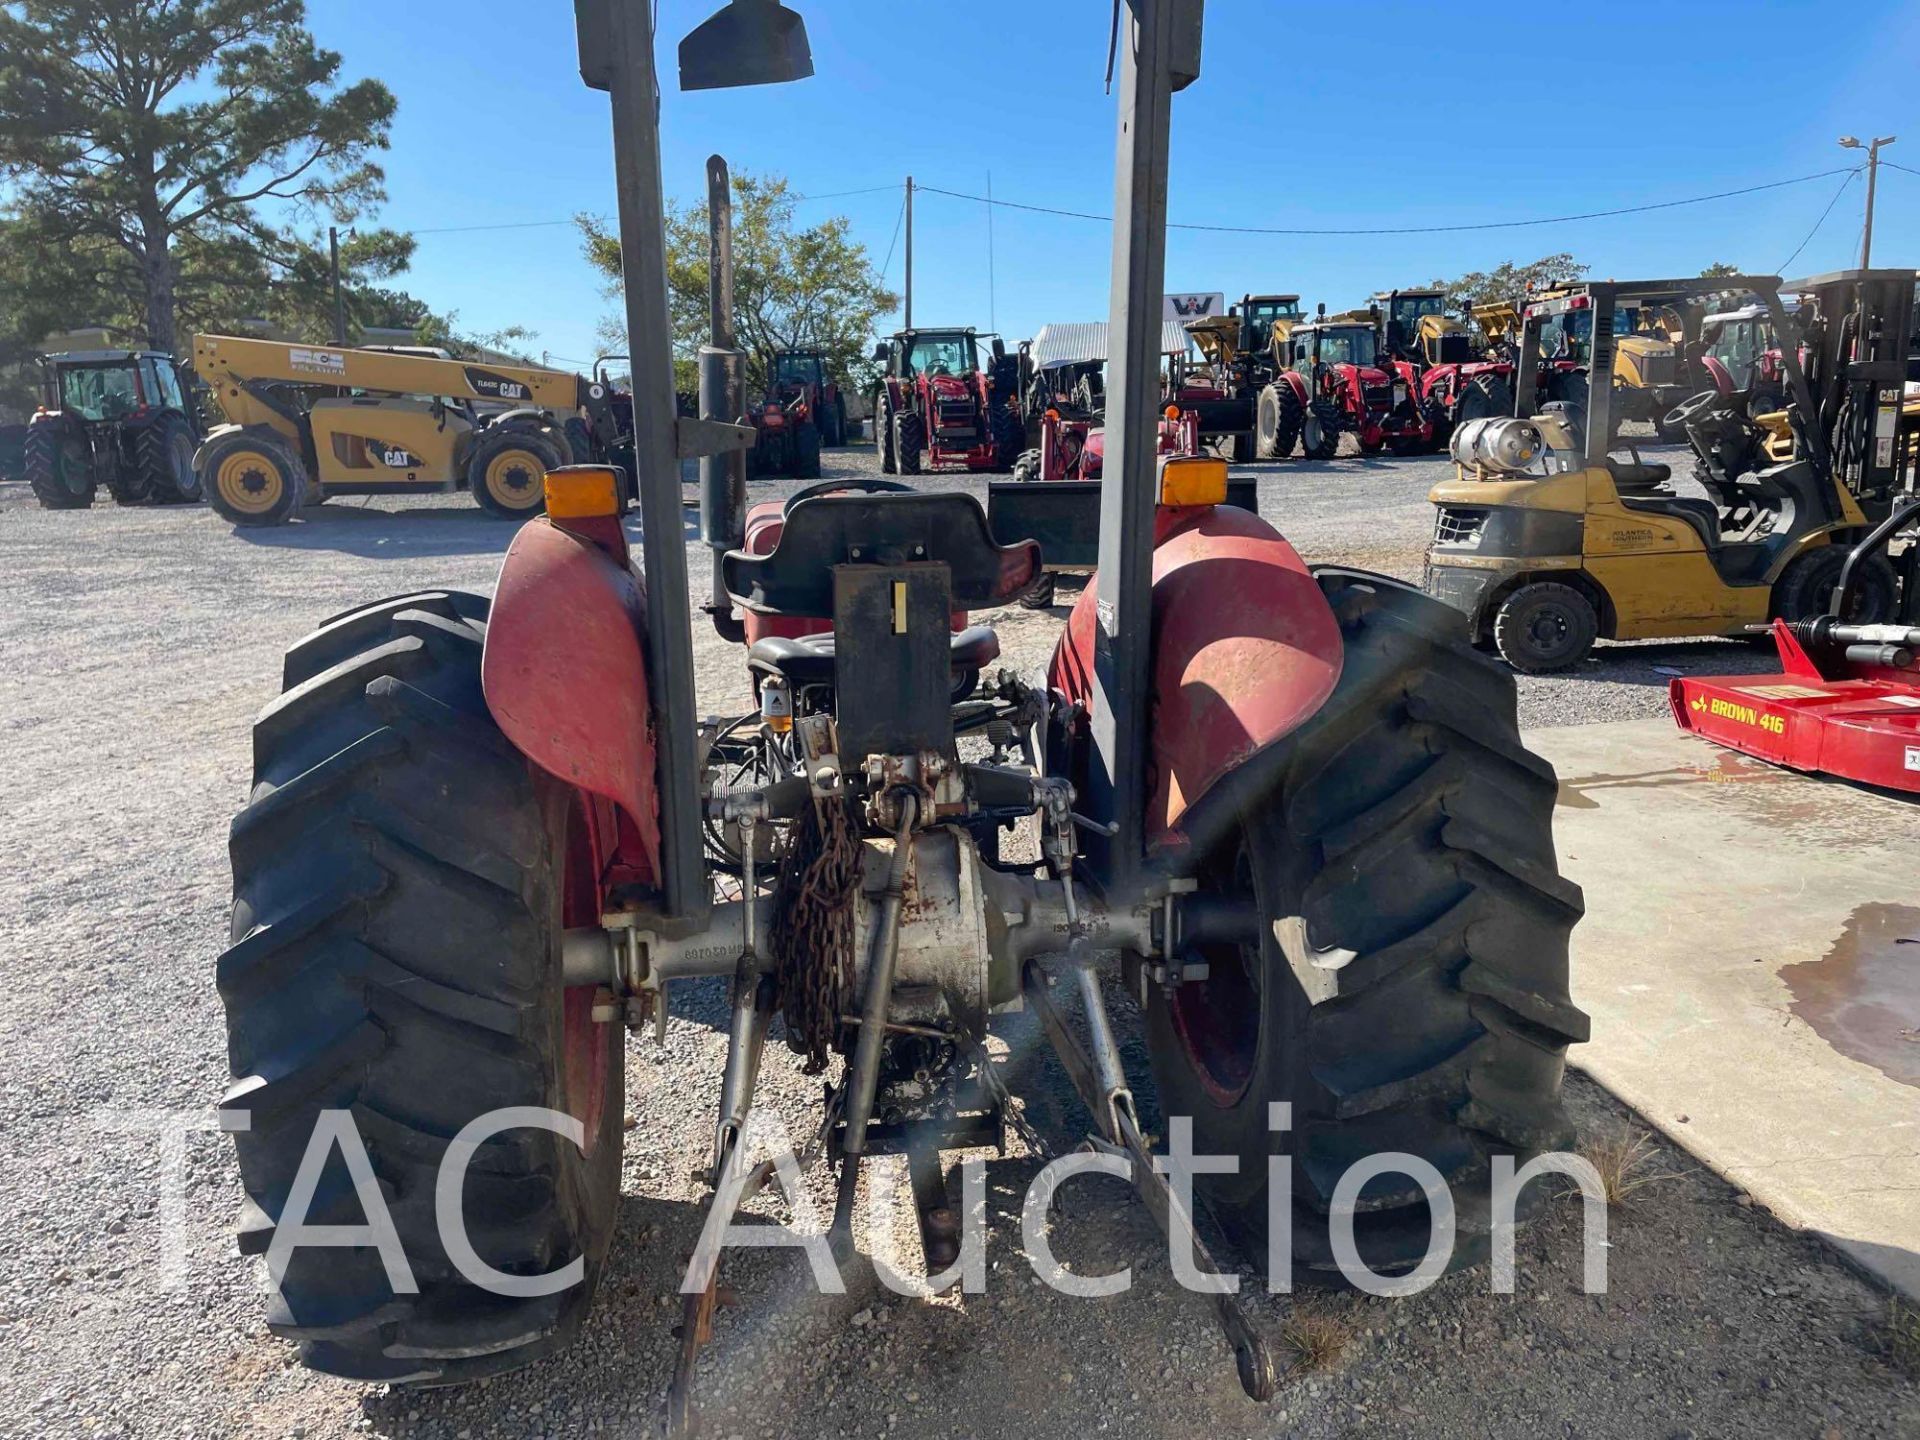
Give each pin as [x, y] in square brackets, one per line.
[808, 659]
[1637, 475]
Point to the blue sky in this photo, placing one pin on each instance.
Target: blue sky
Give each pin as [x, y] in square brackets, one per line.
[1382, 114]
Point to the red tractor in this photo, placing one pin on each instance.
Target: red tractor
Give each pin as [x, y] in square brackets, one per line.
[1333, 384]
[1434, 355]
[938, 405]
[1286, 806]
[803, 411]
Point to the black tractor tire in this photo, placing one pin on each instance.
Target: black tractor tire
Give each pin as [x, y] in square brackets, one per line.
[128, 481]
[164, 451]
[579, 438]
[883, 437]
[1805, 588]
[1009, 439]
[1276, 422]
[1545, 626]
[252, 478]
[1320, 431]
[1484, 397]
[1040, 594]
[58, 466]
[909, 442]
[1239, 448]
[804, 452]
[1409, 831]
[1027, 467]
[507, 472]
[398, 881]
[833, 418]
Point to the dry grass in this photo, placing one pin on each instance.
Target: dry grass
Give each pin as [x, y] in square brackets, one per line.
[1317, 1334]
[1624, 1159]
[1902, 1337]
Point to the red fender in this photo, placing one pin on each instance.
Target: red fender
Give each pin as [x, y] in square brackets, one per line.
[1718, 373]
[1298, 385]
[565, 675]
[1245, 649]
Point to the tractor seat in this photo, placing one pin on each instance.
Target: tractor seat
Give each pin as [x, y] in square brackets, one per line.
[807, 660]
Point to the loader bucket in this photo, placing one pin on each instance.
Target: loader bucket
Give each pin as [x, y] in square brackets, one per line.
[750, 42]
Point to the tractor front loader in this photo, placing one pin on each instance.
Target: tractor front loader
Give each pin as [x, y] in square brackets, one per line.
[113, 420]
[1434, 355]
[1333, 382]
[1289, 806]
[306, 422]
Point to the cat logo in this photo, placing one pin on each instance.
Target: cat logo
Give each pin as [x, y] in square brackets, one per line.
[496, 387]
[395, 457]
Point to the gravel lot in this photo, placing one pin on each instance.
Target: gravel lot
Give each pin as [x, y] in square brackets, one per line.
[138, 645]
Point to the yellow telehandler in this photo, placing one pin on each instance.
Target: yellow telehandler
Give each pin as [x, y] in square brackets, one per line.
[308, 422]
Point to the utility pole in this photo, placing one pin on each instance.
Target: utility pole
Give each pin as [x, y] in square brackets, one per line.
[909, 324]
[339, 302]
[1872, 147]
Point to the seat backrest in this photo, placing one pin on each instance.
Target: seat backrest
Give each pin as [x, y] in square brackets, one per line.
[796, 578]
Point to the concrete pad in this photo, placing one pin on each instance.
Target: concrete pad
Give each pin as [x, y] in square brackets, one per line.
[1751, 960]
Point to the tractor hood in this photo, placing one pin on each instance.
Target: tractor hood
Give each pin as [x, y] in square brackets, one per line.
[949, 387]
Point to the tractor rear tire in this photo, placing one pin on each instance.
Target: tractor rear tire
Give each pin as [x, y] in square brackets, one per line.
[59, 466]
[507, 472]
[1277, 417]
[909, 442]
[165, 453]
[805, 452]
[1408, 989]
[1320, 431]
[579, 438]
[1027, 468]
[252, 479]
[1805, 588]
[883, 437]
[1485, 397]
[1009, 439]
[401, 883]
[1544, 627]
[1039, 595]
[129, 483]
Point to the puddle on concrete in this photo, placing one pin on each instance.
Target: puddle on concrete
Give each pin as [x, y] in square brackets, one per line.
[1863, 996]
[1723, 768]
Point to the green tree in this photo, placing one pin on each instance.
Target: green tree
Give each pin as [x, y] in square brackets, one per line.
[1508, 281]
[1717, 269]
[811, 288]
[158, 127]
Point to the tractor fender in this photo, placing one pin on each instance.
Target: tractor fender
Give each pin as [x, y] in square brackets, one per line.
[1718, 373]
[564, 671]
[1297, 384]
[1245, 650]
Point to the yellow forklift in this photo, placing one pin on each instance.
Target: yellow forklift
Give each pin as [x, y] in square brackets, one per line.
[1547, 539]
[308, 422]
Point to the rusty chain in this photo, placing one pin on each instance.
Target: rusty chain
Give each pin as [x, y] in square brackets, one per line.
[811, 938]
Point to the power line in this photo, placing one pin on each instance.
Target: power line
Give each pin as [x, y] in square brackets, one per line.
[1894, 165]
[1406, 229]
[896, 239]
[841, 194]
[1821, 221]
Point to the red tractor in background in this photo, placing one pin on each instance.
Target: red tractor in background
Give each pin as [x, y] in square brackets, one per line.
[1435, 356]
[1332, 383]
[803, 411]
[938, 405]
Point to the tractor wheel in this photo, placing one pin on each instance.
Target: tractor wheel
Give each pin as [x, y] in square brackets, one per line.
[1805, 588]
[252, 479]
[1027, 467]
[508, 472]
[1039, 595]
[1320, 431]
[402, 878]
[1484, 398]
[1543, 627]
[1408, 989]
[165, 451]
[909, 440]
[883, 438]
[1276, 421]
[833, 432]
[59, 466]
[1009, 439]
[579, 437]
[805, 452]
[127, 479]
